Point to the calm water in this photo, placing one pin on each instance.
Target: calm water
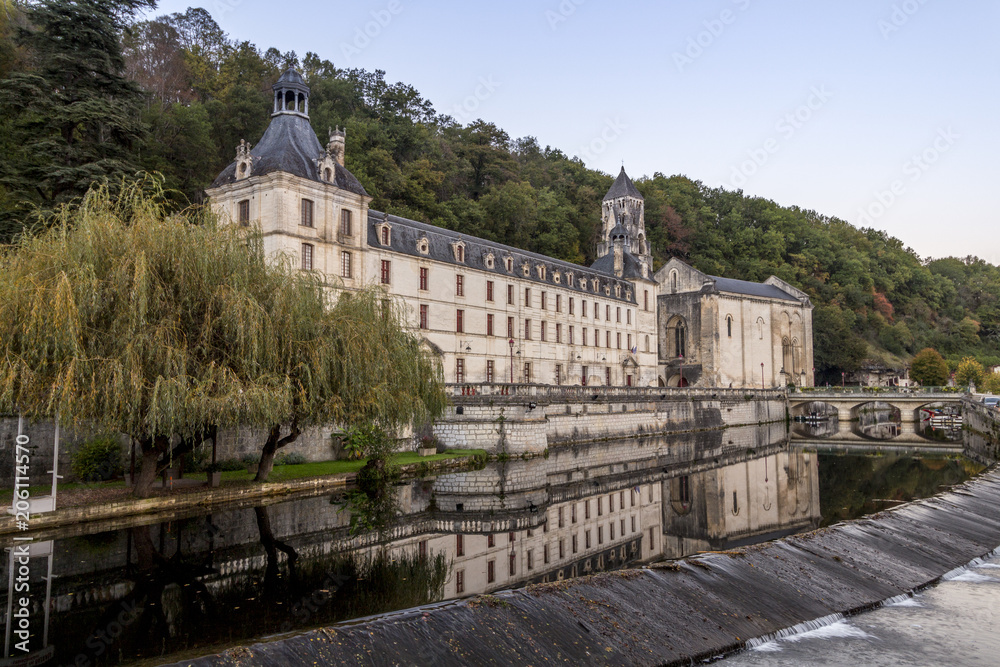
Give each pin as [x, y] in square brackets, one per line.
[950, 624]
[192, 584]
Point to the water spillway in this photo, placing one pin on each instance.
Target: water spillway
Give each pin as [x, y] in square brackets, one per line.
[673, 613]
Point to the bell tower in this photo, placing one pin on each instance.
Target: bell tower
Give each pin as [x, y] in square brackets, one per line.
[624, 207]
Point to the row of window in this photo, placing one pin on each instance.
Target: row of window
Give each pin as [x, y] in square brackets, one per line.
[528, 377]
[346, 261]
[423, 284]
[306, 218]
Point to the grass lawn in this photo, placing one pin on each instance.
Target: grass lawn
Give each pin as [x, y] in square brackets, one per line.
[281, 473]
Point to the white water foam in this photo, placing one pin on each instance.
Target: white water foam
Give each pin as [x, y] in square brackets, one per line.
[840, 630]
[801, 628]
[908, 602]
[974, 578]
[976, 563]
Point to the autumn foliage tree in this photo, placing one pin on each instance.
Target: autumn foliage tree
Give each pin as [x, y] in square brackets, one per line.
[929, 368]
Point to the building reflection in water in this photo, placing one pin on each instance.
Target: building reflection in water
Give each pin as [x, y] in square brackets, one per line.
[214, 580]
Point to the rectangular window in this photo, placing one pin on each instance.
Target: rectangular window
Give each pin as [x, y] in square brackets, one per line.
[460, 582]
[424, 271]
[385, 235]
[571, 305]
[460, 371]
[618, 340]
[386, 275]
[527, 330]
[423, 316]
[618, 314]
[600, 534]
[628, 316]
[571, 342]
[633, 524]
[562, 518]
[490, 371]
[460, 321]
[545, 554]
[574, 543]
[573, 513]
[510, 328]
[645, 300]
[459, 545]
[543, 300]
[611, 503]
[510, 295]
[558, 374]
[345, 222]
[583, 376]
[586, 539]
[531, 559]
[597, 337]
[489, 324]
[459, 285]
[491, 541]
[586, 509]
[558, 333]
[583, 341]
[345, 264]
[607, 376]
[243, 214]
[562, 548]
[630, 342]
[607, 339]
[307, 257]
[622, 524]
[583, 307]
[527, 372]
[491, 571]
[607, 313]
[489, 290]
[558, 303]
[422, 549]
[652, 541]
[527, 297]
[307, 213]
[542, 331]
[600, 505]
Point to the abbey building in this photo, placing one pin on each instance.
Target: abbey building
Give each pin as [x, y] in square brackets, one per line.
[490, 312]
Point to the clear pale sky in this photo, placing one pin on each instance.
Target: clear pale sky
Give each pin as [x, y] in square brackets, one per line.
[880, 112]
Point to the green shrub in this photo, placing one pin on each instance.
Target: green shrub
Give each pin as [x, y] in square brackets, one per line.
[290, 459]
[98, 460]
[231, 464]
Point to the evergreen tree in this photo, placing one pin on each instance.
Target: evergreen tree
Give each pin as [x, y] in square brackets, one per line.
[73, 117]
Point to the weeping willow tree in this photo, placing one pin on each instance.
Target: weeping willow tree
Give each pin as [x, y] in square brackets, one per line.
[167, 328]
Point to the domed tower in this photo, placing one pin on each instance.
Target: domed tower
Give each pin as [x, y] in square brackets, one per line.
[625, 207]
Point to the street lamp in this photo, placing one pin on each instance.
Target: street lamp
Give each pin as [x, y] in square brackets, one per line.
[681, 357]
[511, 343]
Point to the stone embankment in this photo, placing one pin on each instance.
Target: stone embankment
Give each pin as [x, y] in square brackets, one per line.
[674, 613]
[528, 419]
[982, 425]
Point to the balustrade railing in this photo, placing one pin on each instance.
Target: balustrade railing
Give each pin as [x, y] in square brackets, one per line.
[576, 393]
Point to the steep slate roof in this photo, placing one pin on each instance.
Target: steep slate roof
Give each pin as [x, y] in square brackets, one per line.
[631, 268]
[406, 233]
[622, 187]
[290, 75]
[751, 289]
[289, 144]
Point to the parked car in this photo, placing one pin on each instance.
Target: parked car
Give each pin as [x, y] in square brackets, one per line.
[992, 402]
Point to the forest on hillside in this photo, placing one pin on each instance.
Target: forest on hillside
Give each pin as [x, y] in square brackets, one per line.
[88, 92]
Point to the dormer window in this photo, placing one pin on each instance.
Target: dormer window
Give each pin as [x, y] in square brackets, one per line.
[508, 263]
[385, 234]
[526, 270]
[557, 278]
[490, 261]
[423, 246]
[607, 290]
[628, 295]
[244, 161]
[541, 273]
[458, 248]
[618, 291]
[595, 284]
[328, 174]
[583, 284]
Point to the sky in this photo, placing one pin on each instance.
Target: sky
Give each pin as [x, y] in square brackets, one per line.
[879, 112]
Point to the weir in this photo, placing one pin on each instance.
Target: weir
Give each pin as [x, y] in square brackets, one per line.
[676, 612]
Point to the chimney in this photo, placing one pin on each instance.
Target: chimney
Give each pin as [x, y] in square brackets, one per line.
[338, 144]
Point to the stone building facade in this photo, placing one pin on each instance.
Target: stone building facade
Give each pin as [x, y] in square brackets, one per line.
[493, 313]
[720, 332]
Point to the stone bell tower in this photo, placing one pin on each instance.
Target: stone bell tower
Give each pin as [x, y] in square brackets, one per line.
[624, 211]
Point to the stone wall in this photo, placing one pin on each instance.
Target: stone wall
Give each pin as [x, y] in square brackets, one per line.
[529, 420]
[982, 432]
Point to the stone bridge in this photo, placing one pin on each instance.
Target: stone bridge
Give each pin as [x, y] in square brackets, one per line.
[850, 401]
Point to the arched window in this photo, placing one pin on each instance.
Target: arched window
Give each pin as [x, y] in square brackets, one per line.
[673, 282]
[760, 327]
[676, 338]
[729, 325]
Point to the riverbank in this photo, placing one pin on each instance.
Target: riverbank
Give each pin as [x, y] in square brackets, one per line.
[105, 502]
[693, 609]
